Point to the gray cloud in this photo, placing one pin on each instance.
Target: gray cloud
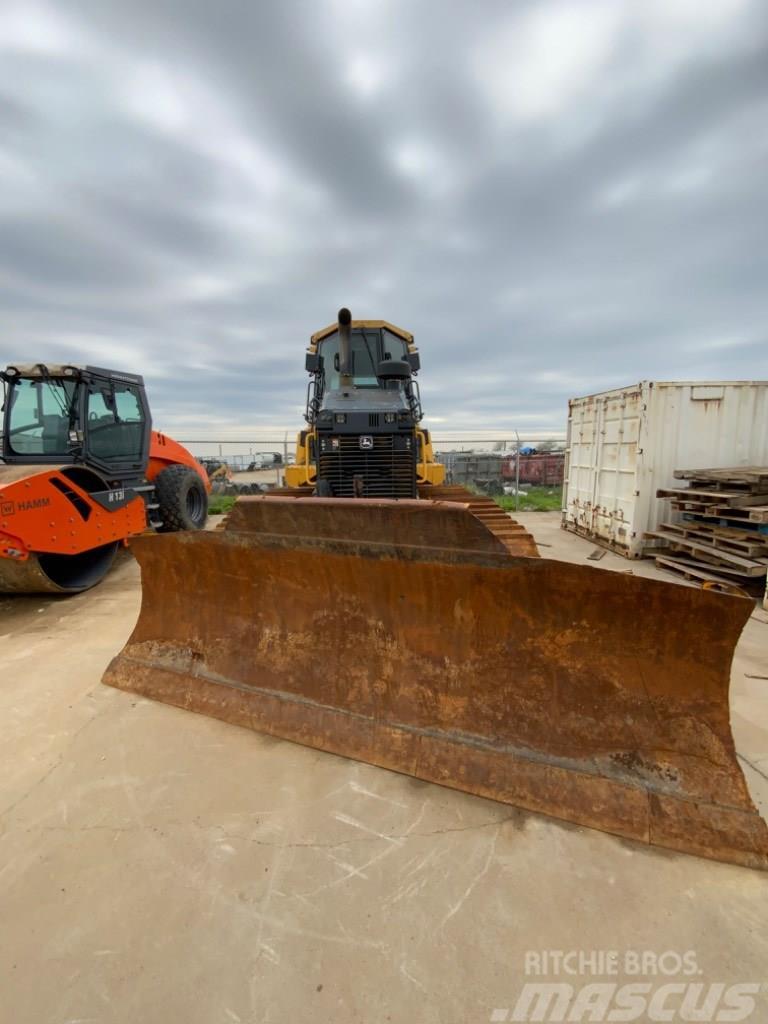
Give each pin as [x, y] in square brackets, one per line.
[556, 197]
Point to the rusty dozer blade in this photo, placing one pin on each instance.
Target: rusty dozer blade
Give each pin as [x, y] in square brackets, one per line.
[406, 634]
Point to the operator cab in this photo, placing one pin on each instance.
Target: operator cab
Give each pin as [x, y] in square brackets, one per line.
[364, 437]
[369, 348]
[379, 391]
[363, 406]
[76, 414]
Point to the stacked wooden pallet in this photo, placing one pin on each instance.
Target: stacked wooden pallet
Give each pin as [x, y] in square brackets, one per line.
[740, 494]
[722, 541]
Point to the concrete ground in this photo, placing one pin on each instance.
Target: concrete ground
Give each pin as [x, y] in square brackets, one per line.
[158, 866]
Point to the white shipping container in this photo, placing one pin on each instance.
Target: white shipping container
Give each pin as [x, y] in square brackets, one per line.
[625, 444]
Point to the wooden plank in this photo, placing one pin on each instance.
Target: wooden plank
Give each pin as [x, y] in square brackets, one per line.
[753, 498]
[715, 563]
[735, 525]
[749, 565]
[723, 473]
[725, 570]
[692, 573]
[754, 514]
[743, 532]
[688, 493]
[700, 515]
[728, 484]
[734, 499]
[729, 516]
[707, 497]
[693, 506]
[749, 544]
[675, 527]
[742, 475]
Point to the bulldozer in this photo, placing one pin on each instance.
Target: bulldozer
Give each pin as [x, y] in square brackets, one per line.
[371, 611]
[363, 436]
[82, 470]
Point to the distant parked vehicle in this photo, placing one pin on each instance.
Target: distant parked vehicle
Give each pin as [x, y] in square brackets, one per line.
[263, 460]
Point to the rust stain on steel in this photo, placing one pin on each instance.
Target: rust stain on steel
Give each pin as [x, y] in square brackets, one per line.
[403, 524]
[513, 536]
[406, 635]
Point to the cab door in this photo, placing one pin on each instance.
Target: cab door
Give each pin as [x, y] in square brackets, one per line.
[117, 428]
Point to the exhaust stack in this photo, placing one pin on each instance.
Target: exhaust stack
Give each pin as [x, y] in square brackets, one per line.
[345, 347]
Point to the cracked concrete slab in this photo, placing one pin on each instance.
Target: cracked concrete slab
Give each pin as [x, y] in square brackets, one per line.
[159, 866]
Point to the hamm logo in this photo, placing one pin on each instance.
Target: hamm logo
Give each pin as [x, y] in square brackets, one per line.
[7, 508]
[29, 506]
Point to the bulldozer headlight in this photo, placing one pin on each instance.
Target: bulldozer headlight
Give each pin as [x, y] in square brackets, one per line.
[389, 417]
[334, 442]
[341, 417]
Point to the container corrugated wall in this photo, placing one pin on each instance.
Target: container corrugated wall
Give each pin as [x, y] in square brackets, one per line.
[625, 444]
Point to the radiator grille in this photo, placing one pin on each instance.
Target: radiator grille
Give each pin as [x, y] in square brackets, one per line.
[388, 469]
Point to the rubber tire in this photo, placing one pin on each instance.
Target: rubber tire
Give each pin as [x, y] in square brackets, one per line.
[323, 488]
[182, 499]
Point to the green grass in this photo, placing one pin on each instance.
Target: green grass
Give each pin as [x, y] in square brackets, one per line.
[536, 499]
[218, 504]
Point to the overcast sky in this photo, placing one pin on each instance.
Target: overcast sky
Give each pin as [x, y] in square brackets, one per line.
[555, 197]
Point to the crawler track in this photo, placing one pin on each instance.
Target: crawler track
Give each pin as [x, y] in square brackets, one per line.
[513, 535]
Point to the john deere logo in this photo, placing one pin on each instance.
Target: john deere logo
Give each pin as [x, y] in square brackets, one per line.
[366, 441]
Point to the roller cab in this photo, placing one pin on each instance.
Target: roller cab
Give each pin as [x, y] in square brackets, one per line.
[81, 472]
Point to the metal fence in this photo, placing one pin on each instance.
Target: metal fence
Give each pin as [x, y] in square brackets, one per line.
[239, 453]
[481, 458]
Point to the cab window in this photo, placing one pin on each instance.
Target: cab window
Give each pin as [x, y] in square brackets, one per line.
[394, 347]
[365, 349]
[115, 422]
[40, 417]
